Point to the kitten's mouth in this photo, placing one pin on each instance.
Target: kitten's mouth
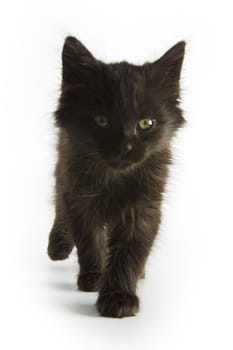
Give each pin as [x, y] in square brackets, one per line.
[123, 165]
[120, 164]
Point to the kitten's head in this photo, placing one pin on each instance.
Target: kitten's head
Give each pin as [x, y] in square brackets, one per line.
[120, 112]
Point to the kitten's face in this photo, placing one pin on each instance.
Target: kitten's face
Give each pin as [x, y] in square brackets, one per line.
[119, 113]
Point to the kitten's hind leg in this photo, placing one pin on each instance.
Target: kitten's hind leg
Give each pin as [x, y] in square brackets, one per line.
[91, 248]
[91, 256]
[60, 241]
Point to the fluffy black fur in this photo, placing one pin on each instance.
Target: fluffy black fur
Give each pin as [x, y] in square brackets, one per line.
[110, 180]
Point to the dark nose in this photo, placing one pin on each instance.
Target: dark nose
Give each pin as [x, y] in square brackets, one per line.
[126, 149]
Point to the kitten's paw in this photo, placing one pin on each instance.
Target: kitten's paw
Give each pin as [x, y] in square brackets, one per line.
[143, 274]
[59, 247]
[117, 304]
[88, 282]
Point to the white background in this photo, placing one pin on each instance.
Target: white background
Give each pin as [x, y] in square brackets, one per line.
[186, 298]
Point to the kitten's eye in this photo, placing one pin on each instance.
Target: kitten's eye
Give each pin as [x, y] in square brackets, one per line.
[102, 121]
[146, 123]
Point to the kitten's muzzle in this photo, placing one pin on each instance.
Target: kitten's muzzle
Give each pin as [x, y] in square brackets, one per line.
[124, 157]
[126, 149]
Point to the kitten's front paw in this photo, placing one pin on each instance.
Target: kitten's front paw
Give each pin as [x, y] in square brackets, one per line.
[60, 246]
[88, 282]
[117, 304]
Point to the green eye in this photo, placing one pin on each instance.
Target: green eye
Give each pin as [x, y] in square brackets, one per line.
[146, 123]
[102, 121]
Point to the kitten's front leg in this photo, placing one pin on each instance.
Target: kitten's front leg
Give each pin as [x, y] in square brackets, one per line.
[60, 242]
[129, 246]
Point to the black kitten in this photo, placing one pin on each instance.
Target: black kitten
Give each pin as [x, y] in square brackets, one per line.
[115, 123]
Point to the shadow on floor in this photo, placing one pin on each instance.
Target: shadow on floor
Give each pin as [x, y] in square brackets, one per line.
[61, 282]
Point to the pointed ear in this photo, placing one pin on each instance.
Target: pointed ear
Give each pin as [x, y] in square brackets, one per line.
[77, 61]
[168, 68]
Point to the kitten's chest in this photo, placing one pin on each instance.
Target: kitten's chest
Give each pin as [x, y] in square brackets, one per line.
[113, 200]
[105, 200]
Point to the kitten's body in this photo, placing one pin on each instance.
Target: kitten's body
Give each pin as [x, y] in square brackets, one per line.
[108, 194]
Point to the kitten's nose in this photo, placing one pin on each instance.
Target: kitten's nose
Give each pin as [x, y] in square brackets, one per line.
[126, 149]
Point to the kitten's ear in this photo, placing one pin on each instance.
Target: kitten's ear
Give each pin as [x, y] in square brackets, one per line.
[168, 68]
[77, 61]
